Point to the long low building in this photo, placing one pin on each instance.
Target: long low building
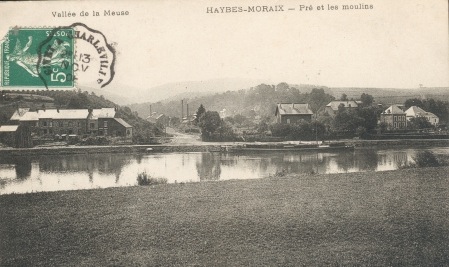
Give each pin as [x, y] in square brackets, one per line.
[98, 122]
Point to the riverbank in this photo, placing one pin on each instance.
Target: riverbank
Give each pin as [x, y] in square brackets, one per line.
[394, 218]
[108, 149]
[199, 147]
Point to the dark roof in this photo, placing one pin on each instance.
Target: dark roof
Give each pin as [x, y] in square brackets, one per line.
[394, 109]
[122, 122]
[293, 108]
[335, 104]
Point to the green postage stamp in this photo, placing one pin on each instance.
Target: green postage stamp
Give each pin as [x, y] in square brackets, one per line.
[38, 58]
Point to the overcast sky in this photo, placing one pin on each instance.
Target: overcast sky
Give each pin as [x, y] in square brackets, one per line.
[401, 43]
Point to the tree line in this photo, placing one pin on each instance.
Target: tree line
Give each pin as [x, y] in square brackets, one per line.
[347, 123]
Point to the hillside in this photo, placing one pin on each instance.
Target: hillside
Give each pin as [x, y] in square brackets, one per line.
[263, 98]
[127, 93]
[390, 96]
[260, 100]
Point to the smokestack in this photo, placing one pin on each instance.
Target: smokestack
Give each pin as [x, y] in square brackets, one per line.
[182, 109]
[151, 113]
[187, 111]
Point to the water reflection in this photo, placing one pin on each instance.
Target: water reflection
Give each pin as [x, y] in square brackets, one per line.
[23, 168]
[209, 167]
[68, 172]
[103, 163]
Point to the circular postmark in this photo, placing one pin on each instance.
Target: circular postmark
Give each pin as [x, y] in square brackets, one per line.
[93, 58]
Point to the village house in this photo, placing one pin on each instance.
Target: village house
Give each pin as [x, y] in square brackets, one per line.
[415, 112]
[333, 106]
[394, 118]
[159, 118]
[8, 134]
[15, 136]
[292, 113]
[102, 122]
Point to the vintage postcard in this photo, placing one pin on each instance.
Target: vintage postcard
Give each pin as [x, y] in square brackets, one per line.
[224, 133]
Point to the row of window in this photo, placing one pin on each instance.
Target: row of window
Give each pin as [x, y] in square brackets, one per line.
[68, 124]
[79, 132]
[60, 124]
[399, 118]
[68, 131]
[399, 124]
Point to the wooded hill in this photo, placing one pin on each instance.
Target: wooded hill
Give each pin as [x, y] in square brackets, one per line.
[260, 100]
[263, 98]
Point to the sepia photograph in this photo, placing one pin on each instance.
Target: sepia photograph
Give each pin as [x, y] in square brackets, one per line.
[224, 133]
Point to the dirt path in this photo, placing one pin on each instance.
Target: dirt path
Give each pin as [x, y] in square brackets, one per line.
[183, 138]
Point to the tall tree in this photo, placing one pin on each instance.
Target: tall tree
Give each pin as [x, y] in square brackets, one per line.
[282, 87]
[200, 113]
[318, 99]
[210, 122]
[347, 121]
[367, 100]
[369, 116]
[413, 102]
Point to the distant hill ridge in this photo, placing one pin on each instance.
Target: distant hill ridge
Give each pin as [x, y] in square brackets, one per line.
[241, 101]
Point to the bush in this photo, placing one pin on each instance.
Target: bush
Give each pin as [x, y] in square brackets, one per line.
[145, 179]
[95, 141]
[427, 159]
[279, 173]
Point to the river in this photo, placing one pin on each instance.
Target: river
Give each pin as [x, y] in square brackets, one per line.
[25, 174]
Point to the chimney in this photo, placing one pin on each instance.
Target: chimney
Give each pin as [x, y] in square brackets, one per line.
[57, 109]
[150, 110]
[182, 109]
[187, 111]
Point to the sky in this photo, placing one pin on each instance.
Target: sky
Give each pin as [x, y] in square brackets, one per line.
[397, 44]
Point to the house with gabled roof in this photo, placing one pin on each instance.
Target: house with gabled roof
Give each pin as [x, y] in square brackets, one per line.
[114, 127]
[333, 106]
[159, 118]
[394, 118]
[15, 136]
[415, 112]
[18, 113]
[293, 112]
[96, 118]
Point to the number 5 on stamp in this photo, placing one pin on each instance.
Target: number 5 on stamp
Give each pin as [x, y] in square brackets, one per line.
[38, 58]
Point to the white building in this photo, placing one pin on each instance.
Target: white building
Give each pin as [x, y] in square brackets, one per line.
[414, 112]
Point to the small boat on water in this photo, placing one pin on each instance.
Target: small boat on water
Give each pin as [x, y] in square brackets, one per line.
[336, 146]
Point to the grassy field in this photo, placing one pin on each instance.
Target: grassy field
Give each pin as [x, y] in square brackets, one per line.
[397, 218]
